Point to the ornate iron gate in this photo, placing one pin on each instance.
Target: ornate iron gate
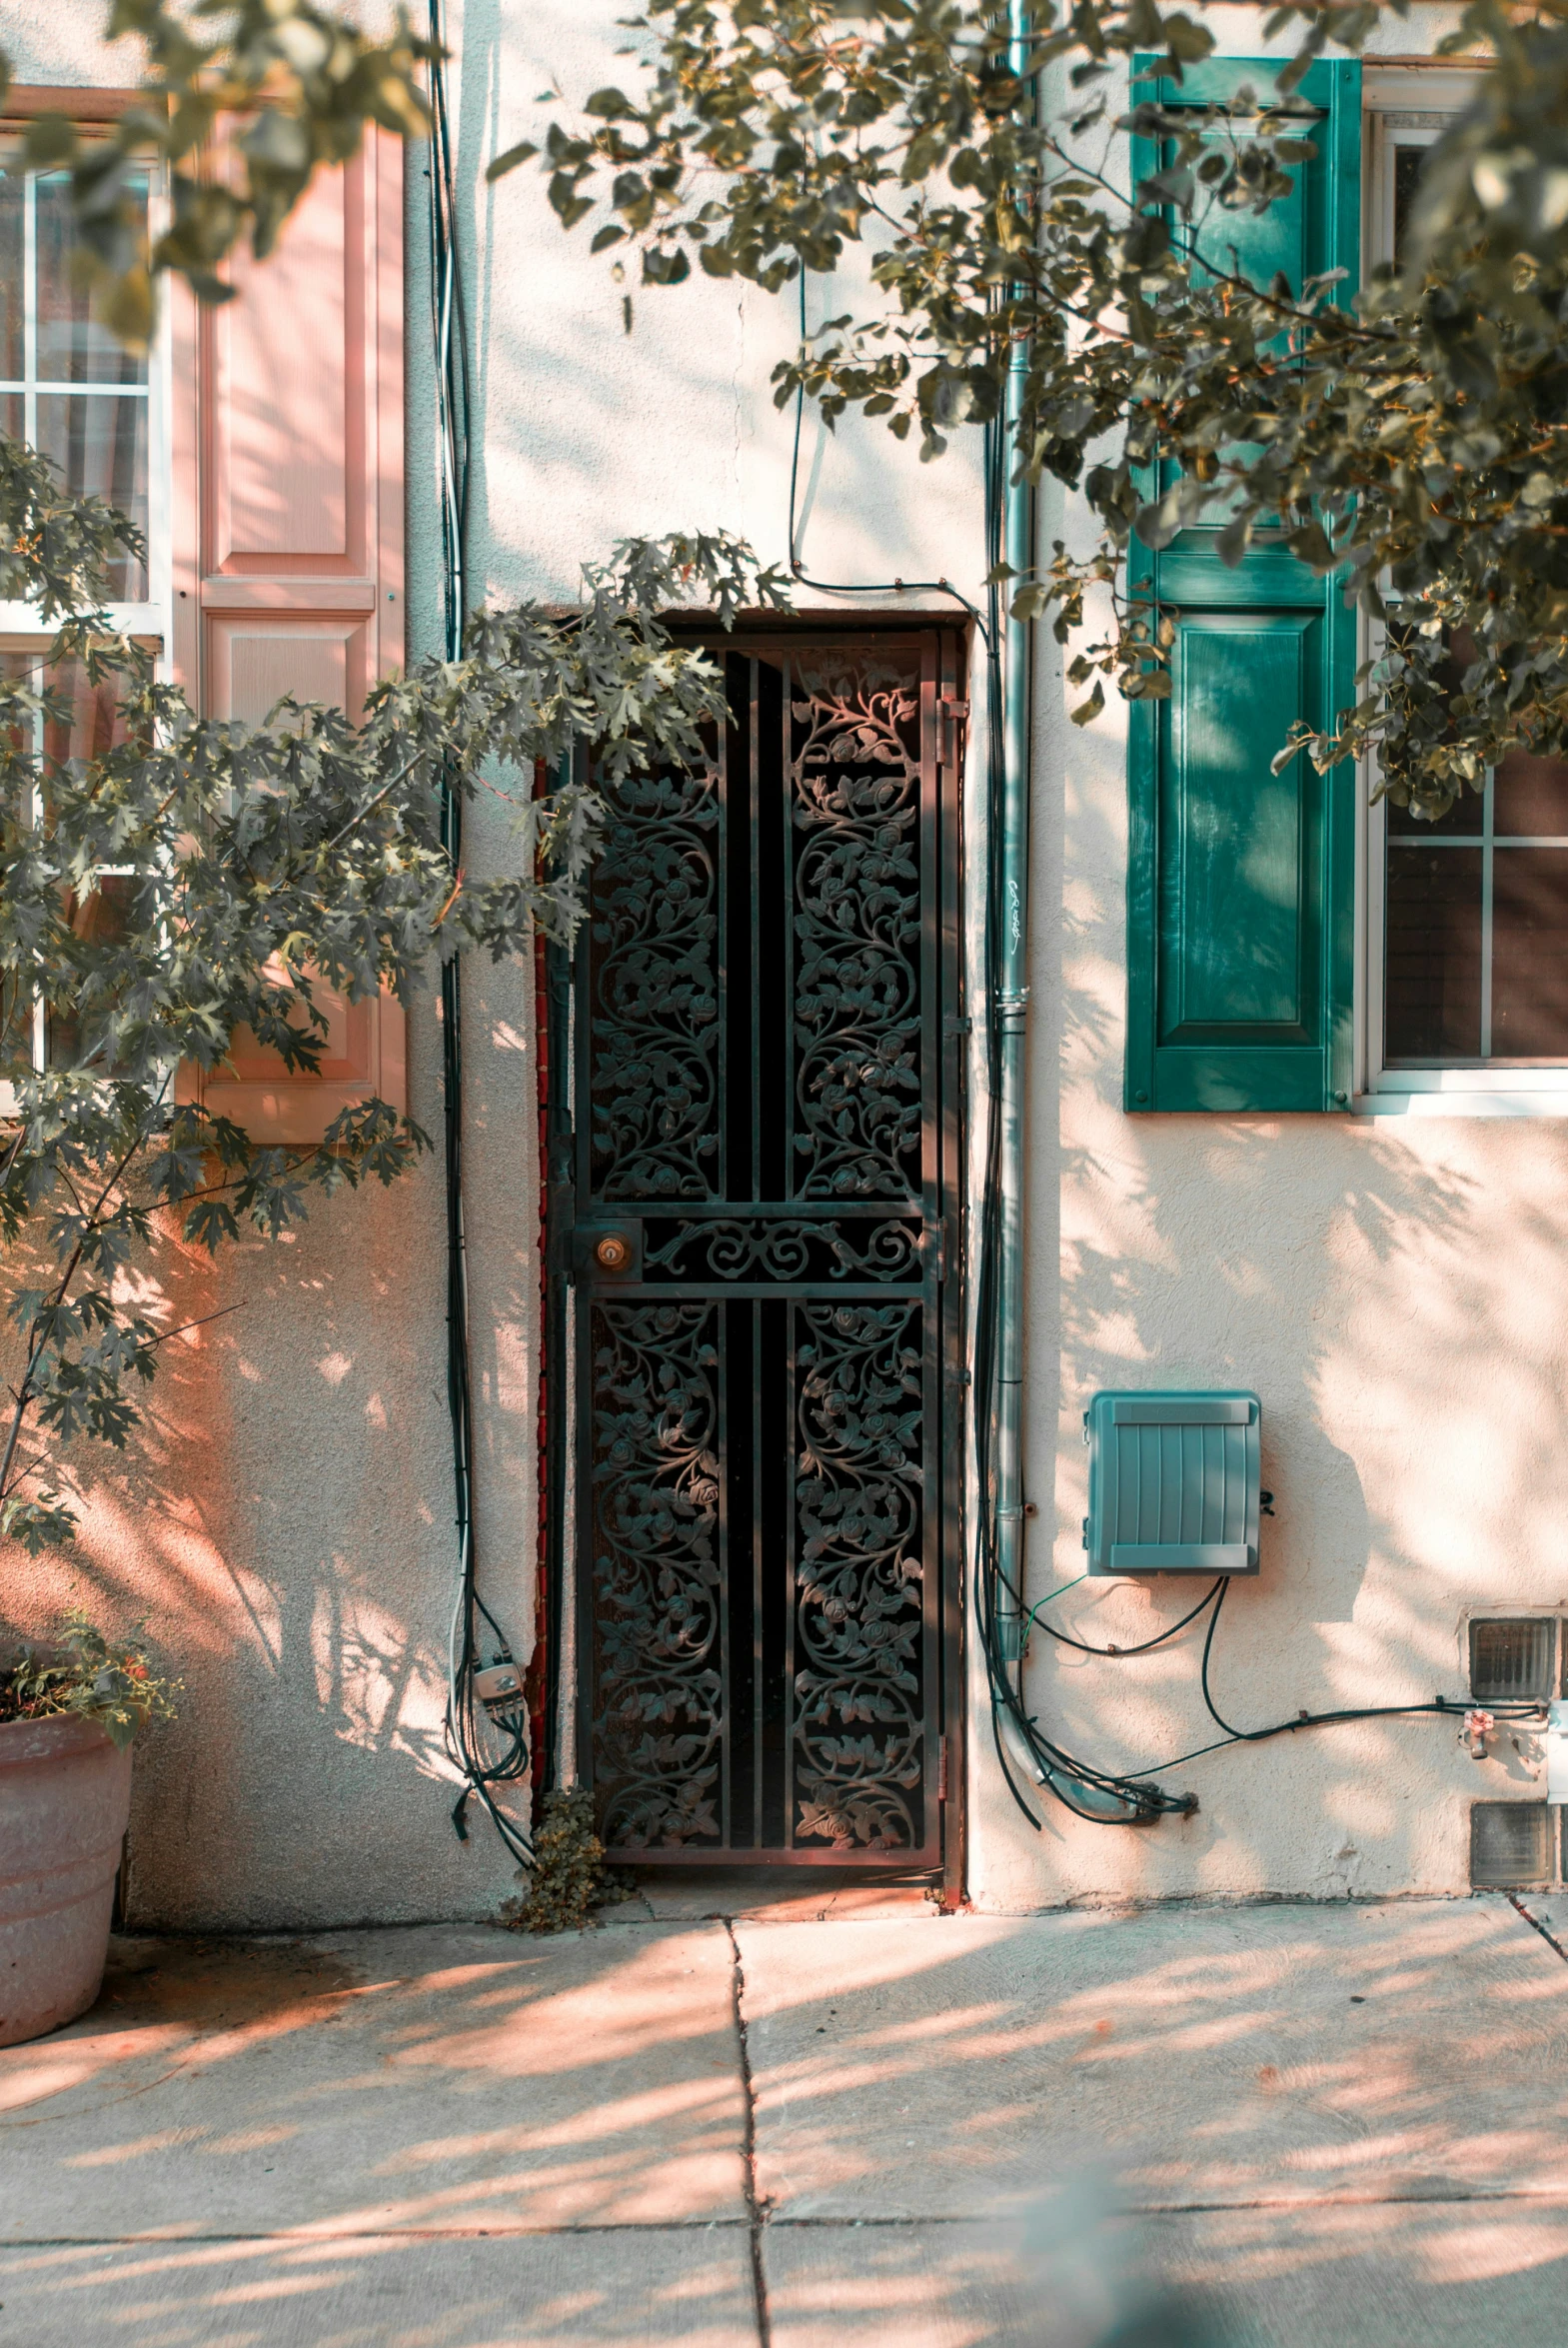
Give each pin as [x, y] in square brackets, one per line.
[765, 1074]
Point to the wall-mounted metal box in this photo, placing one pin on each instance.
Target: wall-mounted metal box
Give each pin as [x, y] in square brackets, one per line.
[1174, 1484]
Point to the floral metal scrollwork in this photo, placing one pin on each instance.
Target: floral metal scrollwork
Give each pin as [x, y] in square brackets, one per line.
[855, 786]
[656, 993]
[657, 1605]
[859, 1704]
[794, 1250]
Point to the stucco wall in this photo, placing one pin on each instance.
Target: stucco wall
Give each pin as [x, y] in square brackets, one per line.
[1394, 1292]
[285, 1527]
[1394, 1289]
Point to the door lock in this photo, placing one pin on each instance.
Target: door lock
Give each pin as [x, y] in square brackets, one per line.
[609, 1251]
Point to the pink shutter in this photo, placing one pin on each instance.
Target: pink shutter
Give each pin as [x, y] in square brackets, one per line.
[288, 522]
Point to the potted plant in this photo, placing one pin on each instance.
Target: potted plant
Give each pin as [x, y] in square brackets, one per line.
[66, 1723]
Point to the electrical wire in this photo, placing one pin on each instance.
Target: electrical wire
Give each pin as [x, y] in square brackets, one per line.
[1440, 1707]
[468, 1733]
[1136, 1801]
[1104, 1796]
[843, 586]
[1133, 1801]
[1148, 1645]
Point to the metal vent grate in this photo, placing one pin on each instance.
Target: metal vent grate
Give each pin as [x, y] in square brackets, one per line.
[1513, 1658]
[1510, 1844]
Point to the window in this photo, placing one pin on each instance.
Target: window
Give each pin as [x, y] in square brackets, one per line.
[1513, 1658]
[1476, 926]
[67, 386]
[1514, 1846]
[1466, 953]
[1517, 1659]
[70, 390]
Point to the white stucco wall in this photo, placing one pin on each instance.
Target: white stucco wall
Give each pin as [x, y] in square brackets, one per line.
[1392, 1288]
[1395, 1292]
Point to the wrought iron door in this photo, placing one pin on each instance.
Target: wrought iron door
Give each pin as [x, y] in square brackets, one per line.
[765, 1131]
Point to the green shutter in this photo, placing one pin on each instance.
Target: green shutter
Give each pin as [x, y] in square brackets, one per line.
[1241, 883]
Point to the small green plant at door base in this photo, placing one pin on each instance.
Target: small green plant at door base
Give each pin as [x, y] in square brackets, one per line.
[90, 1676]
[567, 1880]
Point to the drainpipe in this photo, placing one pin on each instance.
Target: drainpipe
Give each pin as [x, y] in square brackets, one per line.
[1011, 1009]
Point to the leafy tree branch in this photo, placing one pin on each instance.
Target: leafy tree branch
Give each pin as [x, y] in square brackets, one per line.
[196, 879]
[1404, 440]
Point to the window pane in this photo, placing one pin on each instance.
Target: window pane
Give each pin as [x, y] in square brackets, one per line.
[90, 721]
[12, 347]
[72, 346]
[99, 919]
[1407, 172]
[1530, 953]
[1530, 795]
[100, 444]
[16, 999]
[1510, 1843]
[1432, 1008]
[1512, 1661]
[1463, 821]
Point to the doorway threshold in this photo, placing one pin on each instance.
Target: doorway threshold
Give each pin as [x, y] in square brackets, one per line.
[778, 1895]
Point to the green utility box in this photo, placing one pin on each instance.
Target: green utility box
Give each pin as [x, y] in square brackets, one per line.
[1174, 1484]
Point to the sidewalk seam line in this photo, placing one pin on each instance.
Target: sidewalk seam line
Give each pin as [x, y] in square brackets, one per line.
[1153, 2209]
[757, 2211]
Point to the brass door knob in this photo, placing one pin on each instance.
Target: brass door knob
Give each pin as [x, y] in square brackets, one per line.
[613, 1252]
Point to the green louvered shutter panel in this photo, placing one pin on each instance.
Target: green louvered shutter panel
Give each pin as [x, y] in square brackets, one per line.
[1241, 883]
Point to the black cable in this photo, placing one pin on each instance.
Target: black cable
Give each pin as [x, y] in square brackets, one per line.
[466, 1738]
[1439, 1705]
[1130, 1801]
[1116, 1653]
[1138, 1801]
[843, 586]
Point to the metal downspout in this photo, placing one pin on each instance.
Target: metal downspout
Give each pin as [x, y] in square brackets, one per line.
[1011, 1009]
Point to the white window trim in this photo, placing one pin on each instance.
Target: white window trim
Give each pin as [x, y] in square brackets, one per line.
[152, 621]
[1412, 100]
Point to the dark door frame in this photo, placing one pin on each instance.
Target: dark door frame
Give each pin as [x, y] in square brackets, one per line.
[564, 1465]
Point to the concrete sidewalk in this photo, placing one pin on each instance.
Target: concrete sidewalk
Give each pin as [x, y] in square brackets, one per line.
[1324, 2124]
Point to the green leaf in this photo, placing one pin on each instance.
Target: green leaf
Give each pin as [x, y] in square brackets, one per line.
[1087, 711]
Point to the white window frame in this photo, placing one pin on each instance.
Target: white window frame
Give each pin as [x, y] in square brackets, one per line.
[149, 622]
[1411, 106]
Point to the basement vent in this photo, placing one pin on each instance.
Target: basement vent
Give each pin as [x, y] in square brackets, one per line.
[1513, 1660]
[1510, 1845]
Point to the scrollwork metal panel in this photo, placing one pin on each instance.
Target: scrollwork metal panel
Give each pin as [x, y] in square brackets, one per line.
[779, 1248]
[654, 1081]
[860, 1721]
[765, 1535]
[856, 769]
[657, 1587]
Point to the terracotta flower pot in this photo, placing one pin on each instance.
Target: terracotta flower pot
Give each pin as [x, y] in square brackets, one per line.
[65, 1795]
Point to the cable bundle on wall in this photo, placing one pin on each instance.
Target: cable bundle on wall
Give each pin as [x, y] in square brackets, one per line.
[472, 1726]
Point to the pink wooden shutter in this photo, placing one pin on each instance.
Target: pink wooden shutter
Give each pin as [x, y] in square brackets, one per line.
[288, 527]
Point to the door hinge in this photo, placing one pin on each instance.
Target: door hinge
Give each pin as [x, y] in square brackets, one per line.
[939, 1234]
[954, 712]
[942, 1769]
